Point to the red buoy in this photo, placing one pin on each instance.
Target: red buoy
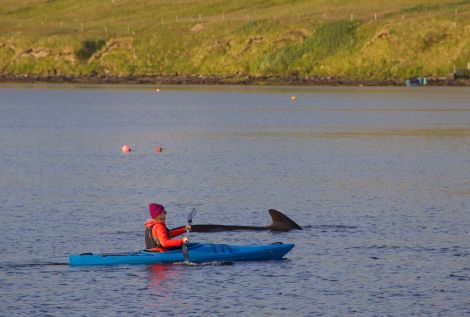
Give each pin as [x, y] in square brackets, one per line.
[126, 148]
[158, 149]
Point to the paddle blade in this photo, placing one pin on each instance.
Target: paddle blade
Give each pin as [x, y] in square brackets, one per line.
[185, 252]
[191, 215]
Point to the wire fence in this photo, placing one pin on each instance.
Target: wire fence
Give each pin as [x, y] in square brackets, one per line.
[131, 27]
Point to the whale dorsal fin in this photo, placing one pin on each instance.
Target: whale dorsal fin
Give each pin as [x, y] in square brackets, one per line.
[281, 222]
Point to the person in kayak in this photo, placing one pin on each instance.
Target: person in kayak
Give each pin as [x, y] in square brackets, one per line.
[157, 235]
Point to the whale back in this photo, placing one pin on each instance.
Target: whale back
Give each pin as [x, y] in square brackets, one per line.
[280, 222]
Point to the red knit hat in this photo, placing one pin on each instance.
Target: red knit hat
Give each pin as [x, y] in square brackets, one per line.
[156, 210]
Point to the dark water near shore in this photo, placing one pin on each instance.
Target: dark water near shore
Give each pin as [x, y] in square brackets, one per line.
[379, 178]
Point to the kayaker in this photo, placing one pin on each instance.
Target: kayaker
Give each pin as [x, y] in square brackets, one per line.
[157, 235]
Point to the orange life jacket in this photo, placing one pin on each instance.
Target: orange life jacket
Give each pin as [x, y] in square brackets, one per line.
[158, 237]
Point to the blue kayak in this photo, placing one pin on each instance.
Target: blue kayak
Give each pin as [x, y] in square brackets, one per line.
[197, 252]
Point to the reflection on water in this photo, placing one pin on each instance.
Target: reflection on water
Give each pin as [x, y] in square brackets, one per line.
[161, 278]
[430, 133]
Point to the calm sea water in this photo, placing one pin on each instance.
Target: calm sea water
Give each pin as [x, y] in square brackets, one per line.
[379, 179]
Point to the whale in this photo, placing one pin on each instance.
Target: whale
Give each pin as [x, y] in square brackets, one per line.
[280, 222]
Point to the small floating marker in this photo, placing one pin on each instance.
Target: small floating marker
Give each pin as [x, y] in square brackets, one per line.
[293, 98]
[157, 90]
[126, 148]
[159, 149]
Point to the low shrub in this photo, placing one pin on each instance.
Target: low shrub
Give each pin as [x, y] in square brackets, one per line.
[88, 48]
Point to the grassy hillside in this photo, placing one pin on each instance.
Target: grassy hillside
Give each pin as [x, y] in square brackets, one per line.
[351, 39]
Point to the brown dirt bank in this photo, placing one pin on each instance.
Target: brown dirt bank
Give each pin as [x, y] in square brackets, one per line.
[219, 80]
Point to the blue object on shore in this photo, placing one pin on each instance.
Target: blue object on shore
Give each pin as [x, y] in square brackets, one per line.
[198, 252]
[419, 81]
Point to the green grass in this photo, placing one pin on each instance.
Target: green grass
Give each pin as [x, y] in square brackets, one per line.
[304, 58]
[362, 39]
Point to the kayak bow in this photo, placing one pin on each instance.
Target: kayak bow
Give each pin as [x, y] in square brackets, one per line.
[198, 252]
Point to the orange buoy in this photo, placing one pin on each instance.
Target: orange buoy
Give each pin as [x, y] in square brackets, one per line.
[126, 148]
[158, 149]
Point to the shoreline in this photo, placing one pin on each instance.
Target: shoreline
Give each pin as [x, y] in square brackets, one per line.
[220, 80]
